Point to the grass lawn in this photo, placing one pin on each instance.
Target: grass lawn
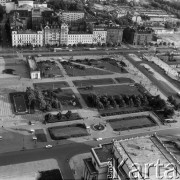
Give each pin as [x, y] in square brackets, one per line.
[124, 80]
[41, 137]
[110, 67]
[106, 64]
[19, 102]
[49, 69]
[109, 90]
[73, 71]
[65, 132]
[90, 82]
[131, 123]
[51, 85]
[66, 97]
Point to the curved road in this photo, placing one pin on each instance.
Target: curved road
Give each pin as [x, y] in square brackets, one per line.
[62, 153]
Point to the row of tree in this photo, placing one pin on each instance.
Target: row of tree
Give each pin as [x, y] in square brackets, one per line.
[66, 5]
[105, 101]
[50, 117]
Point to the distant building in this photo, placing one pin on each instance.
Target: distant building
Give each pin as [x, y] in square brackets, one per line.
[79, 38]
[72, 16]
[137, 36]
[99, 35]
[10, 6]
[52, 34]
[114, 35]
[3, 2]
[37, 4]
[64, 34]
[27, 37]
[36, 18]
[34, 71]
[27, 2]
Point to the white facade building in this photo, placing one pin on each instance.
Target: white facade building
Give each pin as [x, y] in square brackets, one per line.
[3, 2]
[52, 35]
[10, 6]
[27, 37]
[27, 2]
[71, 16]
[99, 35]
[80, 38]
[64, 34]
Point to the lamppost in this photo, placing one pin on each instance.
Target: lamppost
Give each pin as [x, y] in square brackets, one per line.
[23, 144]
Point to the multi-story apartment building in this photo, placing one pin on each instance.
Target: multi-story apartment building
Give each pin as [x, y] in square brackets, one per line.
[99, 35]
[27, 37]
[79, 38]
[64, 34]
[27, 2]
[114, 35]
[3, 2]
[138, 36]
[36, 18]
[72, 16]
[52, 34]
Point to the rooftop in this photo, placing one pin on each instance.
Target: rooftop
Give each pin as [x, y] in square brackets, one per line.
[143, 150]
[104, 152]
[32, 64]
[28, 31]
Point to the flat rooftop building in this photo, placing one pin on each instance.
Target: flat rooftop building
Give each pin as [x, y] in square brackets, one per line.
[134, 159]
[34, 70]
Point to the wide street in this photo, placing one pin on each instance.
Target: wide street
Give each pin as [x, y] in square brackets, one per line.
[63, 153]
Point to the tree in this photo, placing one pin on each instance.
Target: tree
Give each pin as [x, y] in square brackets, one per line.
[138, 102]
[48, 117]
[68, 114]
[100, 105]
[1, 12]
[168, 112]
[59, 115]
[131, 103]
[48, 107]
[55, 104]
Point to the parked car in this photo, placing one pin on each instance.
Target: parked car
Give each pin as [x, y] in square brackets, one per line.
[48, 146]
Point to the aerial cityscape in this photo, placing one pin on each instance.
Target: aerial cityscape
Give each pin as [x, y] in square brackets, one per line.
[90, 89]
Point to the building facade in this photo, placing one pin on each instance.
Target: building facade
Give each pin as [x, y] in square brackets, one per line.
[137, 36]
[52, 34]
[36, 18]
[114, 35]
[64, 34]
[72, 16]
[99, 35]
[80, 38]
[27, 2]
[121, 160]
[27, 37]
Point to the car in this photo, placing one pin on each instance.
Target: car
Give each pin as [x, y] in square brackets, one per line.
[32, 131]
[70, 50]
[1, 138]
[98, 139]
[34, 138]
[48, 146]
